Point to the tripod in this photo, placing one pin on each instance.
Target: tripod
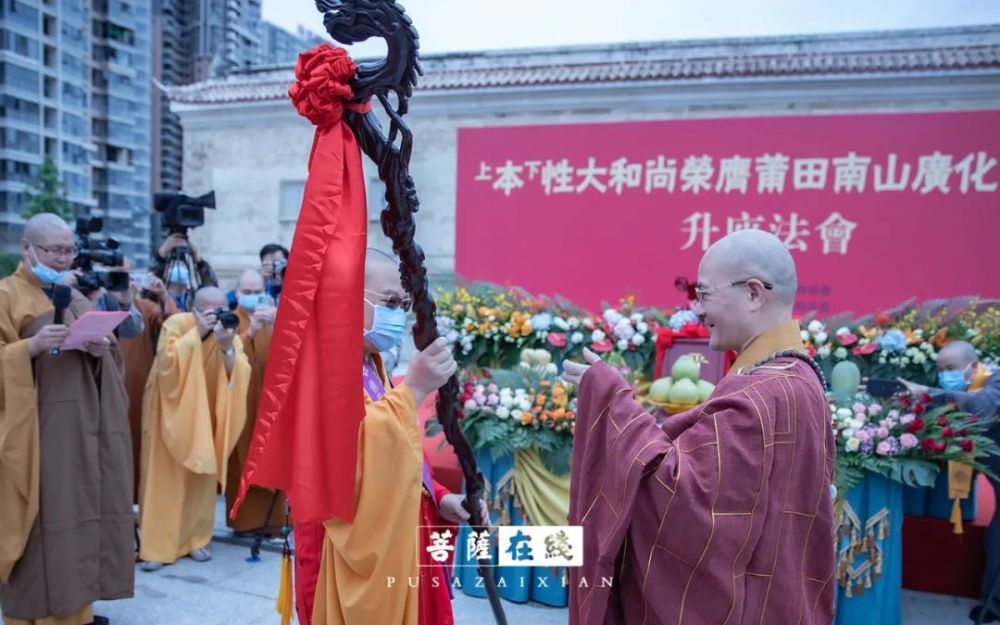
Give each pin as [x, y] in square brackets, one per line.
[266, 528]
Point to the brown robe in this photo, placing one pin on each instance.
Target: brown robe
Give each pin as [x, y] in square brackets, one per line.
[138, 354]
[253, 512]
[65, 467]
[723, 515]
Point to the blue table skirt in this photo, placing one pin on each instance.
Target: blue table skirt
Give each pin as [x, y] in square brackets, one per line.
[870, 554]
[518, 584]
[934, 502]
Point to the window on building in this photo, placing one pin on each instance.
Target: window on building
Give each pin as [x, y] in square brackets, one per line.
[16, 108]
[22, 78]
[14, 139]
[290, 200]
[18, 44]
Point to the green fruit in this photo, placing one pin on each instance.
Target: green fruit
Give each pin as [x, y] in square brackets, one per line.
[686, 367]
[660, 390]
[684, 392]
[704, 390]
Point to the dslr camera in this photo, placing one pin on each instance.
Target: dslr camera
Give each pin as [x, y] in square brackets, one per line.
[97, 252]
[228, 319]
[182, 212]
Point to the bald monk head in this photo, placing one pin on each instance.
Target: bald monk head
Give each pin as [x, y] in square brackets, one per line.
[48, 240]
[210, 298]
[957, 363]
[385, 302]
[747, 283]
[250, 289]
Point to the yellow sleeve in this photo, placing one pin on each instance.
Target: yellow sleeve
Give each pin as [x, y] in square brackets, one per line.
[19, 449]
[381, 543]
[229, 406]
[182, 400]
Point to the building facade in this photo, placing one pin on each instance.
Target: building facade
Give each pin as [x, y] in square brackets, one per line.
[244, 140]
[74, 76]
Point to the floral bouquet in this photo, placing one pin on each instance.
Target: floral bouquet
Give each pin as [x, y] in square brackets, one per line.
[904, 439]
[523, 408]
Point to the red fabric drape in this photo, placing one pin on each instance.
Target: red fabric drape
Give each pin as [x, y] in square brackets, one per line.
[306, 437]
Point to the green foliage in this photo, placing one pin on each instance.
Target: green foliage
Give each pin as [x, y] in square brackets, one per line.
[49, 195]
[8, 263]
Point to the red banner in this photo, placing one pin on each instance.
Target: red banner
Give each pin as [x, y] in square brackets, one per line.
[875, 208]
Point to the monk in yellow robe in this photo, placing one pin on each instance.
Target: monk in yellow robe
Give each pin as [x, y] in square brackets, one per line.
[194, 410]
[65, 466]
[370, 569]
[256, 312]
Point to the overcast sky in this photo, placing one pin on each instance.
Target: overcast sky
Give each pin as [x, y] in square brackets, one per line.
[454, 25]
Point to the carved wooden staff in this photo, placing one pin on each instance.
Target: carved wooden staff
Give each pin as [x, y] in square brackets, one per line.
[353, 21]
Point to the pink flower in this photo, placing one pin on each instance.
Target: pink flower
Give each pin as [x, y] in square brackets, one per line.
[874, 409]
[908, 441]
[893, 414]
[883, 448]
[907, 419]
[556, 339]
[602, 346]
[493, 388]
[471, 404]
[883, 432]
[860, 408]
[862, 435]
[847, 339]
[480, 398]
[493, 399]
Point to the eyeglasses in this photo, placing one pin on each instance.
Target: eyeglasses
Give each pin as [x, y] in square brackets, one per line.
[393, 301]
[71, 252]
[702, 293]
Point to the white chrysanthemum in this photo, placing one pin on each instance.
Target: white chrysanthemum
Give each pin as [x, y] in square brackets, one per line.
[853, 444]
[622, 345]
[573, 322]
[638, 340]
[840, 353]
[805, 336]
[642, 326]
[516, 414]
[821, 337]
[576, 337]
[823, 352]
[636, 317]
[503, 412]
[844, 413]
[560, 323]
[816, 326]
[525, 404]
[597, 335]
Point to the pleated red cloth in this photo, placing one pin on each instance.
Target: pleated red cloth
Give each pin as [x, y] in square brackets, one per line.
[306, 438]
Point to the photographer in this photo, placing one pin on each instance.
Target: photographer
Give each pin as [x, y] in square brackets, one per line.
[256, 312]
[174, 252]
[113, 301]
[273, 261]
[194, 409]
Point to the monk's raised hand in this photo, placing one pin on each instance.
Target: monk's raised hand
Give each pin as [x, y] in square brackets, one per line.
[224, 336]
[430, 369]
[48, 338]
[98, 348]
[573, 372]
[206, 322]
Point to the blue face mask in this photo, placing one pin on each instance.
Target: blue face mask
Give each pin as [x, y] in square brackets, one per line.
[388, 327]
[953, 380]
[181, 301]
[250, 301]
[43, 272]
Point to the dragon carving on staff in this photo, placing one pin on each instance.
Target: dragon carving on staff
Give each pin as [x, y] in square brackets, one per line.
[354, 21]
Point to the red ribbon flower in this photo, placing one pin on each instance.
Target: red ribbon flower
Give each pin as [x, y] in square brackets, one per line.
[967, 446]
[947, 432]
[556, 339]
[915, 426]
[323, 84]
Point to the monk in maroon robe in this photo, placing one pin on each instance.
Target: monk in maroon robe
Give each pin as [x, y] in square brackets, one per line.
[724, 515]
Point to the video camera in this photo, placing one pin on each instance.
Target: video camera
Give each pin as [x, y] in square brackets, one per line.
[182, 212]
[100, 252]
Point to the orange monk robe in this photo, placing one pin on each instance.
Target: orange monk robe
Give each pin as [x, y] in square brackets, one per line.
[138, 354]
[253, 513]
[192, 416]
[365, 565]
[65, 481]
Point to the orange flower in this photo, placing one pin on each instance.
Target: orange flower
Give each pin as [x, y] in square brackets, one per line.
[940, 338]
[526, 418]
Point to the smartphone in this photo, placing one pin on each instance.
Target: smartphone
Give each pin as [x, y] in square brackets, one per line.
[884, 388]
